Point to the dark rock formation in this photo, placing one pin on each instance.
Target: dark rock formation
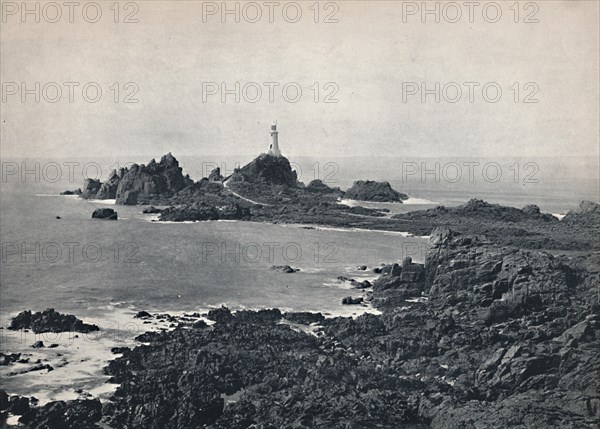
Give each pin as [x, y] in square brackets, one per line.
[50, 321]
[151, 210]
[587, 214]
[284, 269]
[104, 213]
[38, 345]
[215, 175]
[352, 300]
[267, 169]
[90, 188]
[68, 192]
[6, 359]
[108, 189]
[81, 414]
[370, 190]
[509, 226]
[317, 186]
[140, 182]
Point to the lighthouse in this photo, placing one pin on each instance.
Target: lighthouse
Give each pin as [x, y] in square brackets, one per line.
[274, 146]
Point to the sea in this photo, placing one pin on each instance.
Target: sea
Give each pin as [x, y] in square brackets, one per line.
[55, 256]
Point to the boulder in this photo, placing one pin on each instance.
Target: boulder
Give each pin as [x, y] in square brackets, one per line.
[104, 213]
[352, 300]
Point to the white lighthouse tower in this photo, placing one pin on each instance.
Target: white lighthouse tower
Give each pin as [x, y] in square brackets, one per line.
[274, 146]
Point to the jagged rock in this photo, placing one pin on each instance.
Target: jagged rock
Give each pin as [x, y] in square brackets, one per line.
[370, 190]
[108, 189]
[81, 413]
[215, 175]
[129, 198]
[50, 321]
[90, 188]
[104, 213]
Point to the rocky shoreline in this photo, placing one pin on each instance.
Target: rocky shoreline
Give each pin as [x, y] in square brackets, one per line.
[480, 335]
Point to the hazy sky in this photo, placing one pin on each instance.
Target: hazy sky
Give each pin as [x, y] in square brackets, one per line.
[369, 55]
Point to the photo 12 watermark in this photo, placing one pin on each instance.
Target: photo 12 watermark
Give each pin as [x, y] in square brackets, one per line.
[69, 12]
[470, 12]
[290, 252]
[251, 12]
[69, 92]
[470, 92]
[52, 252]
[270, 92]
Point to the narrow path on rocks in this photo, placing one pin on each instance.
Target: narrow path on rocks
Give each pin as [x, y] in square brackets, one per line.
[243, 198]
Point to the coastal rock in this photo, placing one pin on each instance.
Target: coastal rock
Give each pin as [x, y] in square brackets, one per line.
[215, 175]
[81, 413]
[7, 359]
[587, 214]
[304, 317]
[90, 188]
[151, 210]
[140, 182]
[108, 189]
[189, 213]
[318, 186]
[104, 213]
[164, 178]
[50, 321]
[349, 300]
[129, 198]
[267, 169]
[38, 345]
[68, 192]
[284, 269]
[369, 190]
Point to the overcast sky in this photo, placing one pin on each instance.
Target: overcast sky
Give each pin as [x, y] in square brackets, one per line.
[369, 55]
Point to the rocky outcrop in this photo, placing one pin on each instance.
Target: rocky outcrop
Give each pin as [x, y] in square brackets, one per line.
[587, 214]
[104, 213]
[202, 211]
[50, 321]
[504, 279]
[267, 169]
[140, 182]
[369, 190]
[90, 188]
[215, 175]
[108, 189]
